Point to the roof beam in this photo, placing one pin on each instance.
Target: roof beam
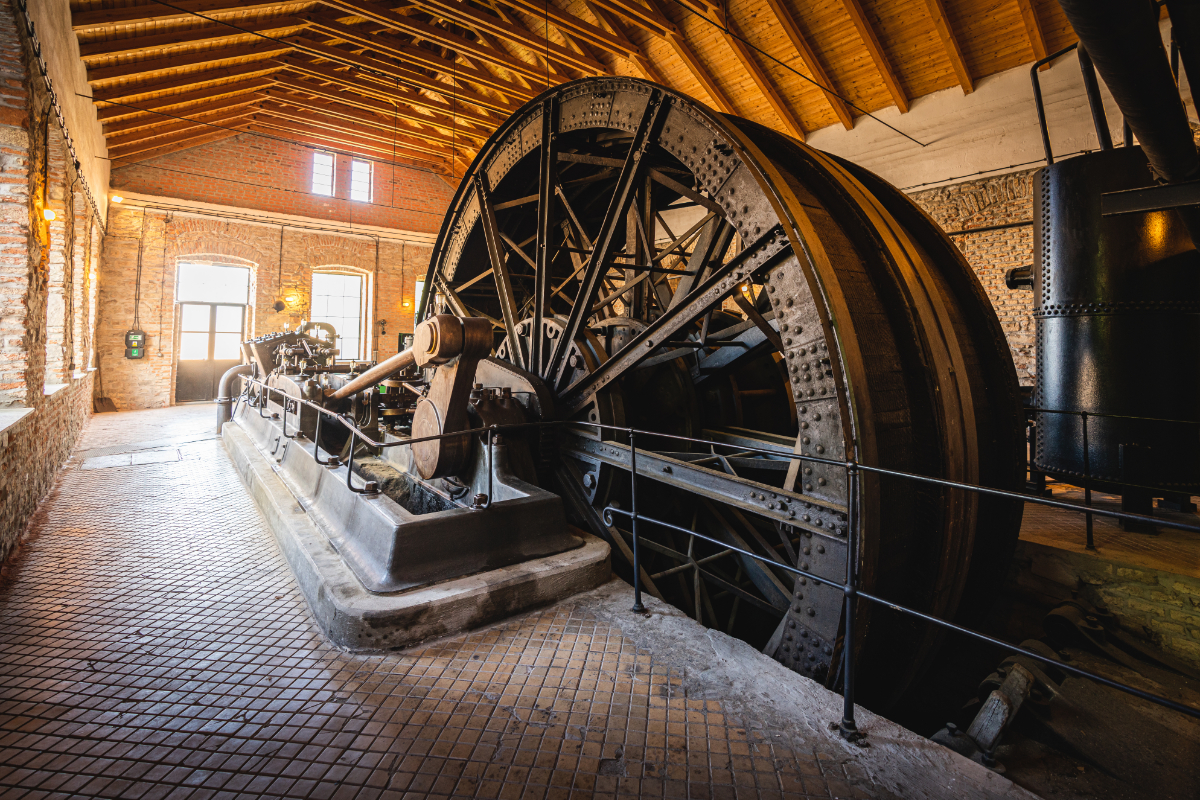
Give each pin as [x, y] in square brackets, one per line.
[388, 93]
[582, 31]
[370, 120]
[177, 60]
[410, 55]
[796, 36]
[108, 112]
[867, 33]
[636, 56]
[334, 127]
[203, 35]
[206, 122]
[156, 12]
[1033, 30]
[647, 18]
[129, 90]
[159, 147]
[159, 120]
[765, 87]
[333, 140]
[937, 12]
[279, 130]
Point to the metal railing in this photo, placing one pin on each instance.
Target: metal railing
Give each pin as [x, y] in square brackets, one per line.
[851, 591]
[1087, 461]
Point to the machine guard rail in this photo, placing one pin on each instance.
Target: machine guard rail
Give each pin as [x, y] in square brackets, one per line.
[850, 589]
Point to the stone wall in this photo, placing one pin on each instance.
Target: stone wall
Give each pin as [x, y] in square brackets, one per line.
[165, 239]
[47, 273]
[981, 203]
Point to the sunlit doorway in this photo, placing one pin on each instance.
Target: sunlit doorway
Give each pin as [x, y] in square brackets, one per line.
[212, 324]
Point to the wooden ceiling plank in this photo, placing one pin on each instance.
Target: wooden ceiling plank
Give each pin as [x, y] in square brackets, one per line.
[746, 57]
[941, 22]
[177, 60]
[324, 137]
[353, 99]
[155, 12]
[108, 112]
[206, 122]
[123, 159]
[125, 91]
[870, 39]
[636, 56]
[718, 97]
[649, 19]
[190, 135]
[1033, 31]
[334, 126]
[585, 32]
[386, 93]
[148, 120]
[206, 34]
[800, 43]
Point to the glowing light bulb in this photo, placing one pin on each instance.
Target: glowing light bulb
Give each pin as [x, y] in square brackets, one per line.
[116, 198]
[291, 298]
[48, 214]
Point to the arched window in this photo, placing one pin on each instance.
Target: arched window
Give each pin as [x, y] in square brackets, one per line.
[339, 298]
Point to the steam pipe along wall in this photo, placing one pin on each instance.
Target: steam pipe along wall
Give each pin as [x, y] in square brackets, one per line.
[47, 306]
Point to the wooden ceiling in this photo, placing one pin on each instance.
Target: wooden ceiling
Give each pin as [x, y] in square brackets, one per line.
[426, 81]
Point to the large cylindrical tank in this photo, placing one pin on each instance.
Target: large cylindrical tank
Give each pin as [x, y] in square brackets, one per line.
[1118, 328]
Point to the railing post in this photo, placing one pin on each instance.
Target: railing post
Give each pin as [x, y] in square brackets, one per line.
[638, 608]
[1087, 480]
[847, 727]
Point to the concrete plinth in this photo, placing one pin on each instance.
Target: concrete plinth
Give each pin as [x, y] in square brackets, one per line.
[362, 621]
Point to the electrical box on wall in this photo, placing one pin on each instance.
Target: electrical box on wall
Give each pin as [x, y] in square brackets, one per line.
[135, 344]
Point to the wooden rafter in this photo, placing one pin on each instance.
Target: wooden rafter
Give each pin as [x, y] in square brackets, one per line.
[127, 91]
[1033, 30]
[866, 32]
[177, 60]
[937, 12]
[208, 34]
[370, 120]
[337, 129]
[746, 57]
[636, 56]
[161, 119]
[584, 32]
[156, 12]
[306, 134]
[205, 122]
[182, 141]
[800, 43]
[109, 112]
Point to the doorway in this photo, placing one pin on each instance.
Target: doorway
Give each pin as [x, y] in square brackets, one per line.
[212, 325]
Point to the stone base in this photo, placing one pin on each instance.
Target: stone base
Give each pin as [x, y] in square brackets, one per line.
[362, 621]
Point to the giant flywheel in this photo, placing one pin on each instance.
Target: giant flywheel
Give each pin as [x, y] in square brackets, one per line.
[661, 266]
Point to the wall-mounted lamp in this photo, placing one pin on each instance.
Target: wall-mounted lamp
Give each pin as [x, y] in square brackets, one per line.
[48, 215]
[406, 304]
[279, 305]
[382, 328]
[291, 298]
[116, 198]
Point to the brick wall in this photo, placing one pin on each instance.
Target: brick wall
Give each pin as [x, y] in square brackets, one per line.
[994, 201]
[42, 334]
[166, 239]
[250, 171]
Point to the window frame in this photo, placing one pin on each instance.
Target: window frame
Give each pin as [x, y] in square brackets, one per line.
[370, 182]
[317, 155]
[363, 308]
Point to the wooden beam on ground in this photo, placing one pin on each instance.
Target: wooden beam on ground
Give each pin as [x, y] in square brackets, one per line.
[774, 99]
[636, 56]
[221, 119]
[165, 118]
[177, 60]
[867, 33]
[106, 112]
[126, 91]
[151, 149]
[792, 29]
[1033, 31]
[203, 35]
[937, 12]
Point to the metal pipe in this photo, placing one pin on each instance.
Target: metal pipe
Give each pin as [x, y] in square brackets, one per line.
[224, 400]
[1095, 101]
[1037, 99]
[377, 373]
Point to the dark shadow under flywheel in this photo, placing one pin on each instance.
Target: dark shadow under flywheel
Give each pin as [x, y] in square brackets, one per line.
[662, 266]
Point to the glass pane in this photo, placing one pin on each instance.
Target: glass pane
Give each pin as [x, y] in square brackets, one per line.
[349, 348]
[226, 346]
[193, 346]
[208, 283]
[333, 305]
[320, 305]
[229, 319]
[195, 318]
